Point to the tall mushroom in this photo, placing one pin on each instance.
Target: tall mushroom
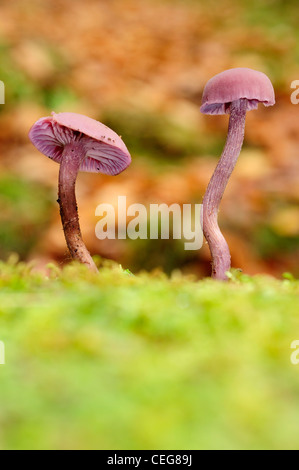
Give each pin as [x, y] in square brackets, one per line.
[233, 92]
[78, 142]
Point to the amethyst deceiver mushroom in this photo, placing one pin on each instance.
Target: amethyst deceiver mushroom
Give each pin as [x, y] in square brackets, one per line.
[232, 92]
[78, 143]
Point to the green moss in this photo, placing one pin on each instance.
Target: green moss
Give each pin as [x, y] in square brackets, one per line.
[115, 361]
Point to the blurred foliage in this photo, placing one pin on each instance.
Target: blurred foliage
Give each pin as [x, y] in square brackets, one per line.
[25, 209]
[158, 137]
[115, 361]
[269, 242]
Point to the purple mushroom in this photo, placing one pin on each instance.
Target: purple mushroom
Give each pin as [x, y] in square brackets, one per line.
[233, 92]
[78, 143]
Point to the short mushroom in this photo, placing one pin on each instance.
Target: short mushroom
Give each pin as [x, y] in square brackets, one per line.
[78, 143]
[233, 92]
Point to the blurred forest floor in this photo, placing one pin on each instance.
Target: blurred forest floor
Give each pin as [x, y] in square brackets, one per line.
[140, 67]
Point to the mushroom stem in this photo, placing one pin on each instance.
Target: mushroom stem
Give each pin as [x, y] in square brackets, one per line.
[221, 260]
[72, 157]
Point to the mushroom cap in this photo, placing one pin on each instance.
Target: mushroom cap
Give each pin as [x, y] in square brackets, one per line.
[234, 84]
[105, 151]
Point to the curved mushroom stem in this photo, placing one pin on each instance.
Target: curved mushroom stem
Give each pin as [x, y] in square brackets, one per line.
[221, 260]
[72, 157]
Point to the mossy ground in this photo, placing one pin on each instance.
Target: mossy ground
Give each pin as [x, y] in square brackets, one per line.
[116, 361]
